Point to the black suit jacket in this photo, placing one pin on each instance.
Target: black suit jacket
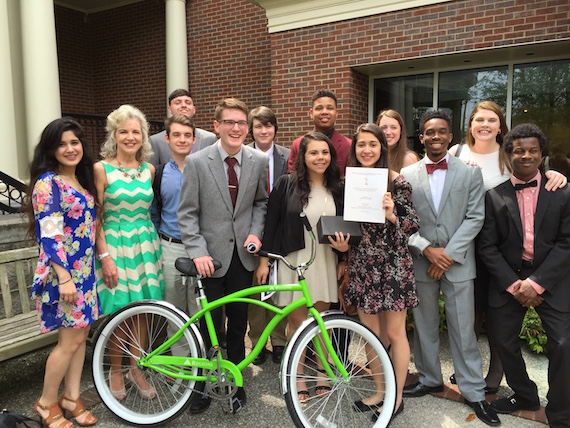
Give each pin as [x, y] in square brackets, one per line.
[284, 230]
[280, 159]
[501, 244]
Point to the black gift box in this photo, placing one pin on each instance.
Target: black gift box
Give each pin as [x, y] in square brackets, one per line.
[328, 225]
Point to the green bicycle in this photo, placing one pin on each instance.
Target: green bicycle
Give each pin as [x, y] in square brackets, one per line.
[174, 361]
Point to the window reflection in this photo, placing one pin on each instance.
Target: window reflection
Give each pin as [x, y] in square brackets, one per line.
[460, 91]
[540, 94]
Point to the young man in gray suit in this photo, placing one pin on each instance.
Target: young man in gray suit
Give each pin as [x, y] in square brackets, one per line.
[448, 197]
[222, 210]
[262, 128]
[179, 102]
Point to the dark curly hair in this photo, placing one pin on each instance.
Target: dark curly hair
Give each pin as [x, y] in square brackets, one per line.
[524, 130]
[300, 175]
[44, 161]
[434, 114]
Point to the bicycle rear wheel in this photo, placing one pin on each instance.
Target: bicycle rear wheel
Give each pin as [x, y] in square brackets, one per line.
[121, 335]
[358, 349]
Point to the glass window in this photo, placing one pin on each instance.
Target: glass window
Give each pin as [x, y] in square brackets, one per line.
[461, 91]
[410, 96]
[541, 95]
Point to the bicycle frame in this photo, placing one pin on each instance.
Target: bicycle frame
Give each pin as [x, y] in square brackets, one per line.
[158, 362]
[173, 364]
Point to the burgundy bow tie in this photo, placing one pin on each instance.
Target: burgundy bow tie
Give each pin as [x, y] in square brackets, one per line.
[431, 167]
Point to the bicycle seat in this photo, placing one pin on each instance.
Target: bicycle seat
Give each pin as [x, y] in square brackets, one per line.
[187, 266]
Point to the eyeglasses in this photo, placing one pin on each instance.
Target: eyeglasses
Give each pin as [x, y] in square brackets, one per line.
[231, 123]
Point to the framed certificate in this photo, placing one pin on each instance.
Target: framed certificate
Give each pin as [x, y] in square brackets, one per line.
[364, 190]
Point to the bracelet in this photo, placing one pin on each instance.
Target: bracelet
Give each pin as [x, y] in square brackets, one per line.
[65, 282]
[102, 256]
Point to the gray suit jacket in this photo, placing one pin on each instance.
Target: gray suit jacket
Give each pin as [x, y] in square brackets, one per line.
[280, 159]
[161, 149]
[208, 223]
[459, 220]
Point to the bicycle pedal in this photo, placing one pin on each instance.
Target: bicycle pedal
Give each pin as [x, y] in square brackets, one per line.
[213, 352]
[235, 405]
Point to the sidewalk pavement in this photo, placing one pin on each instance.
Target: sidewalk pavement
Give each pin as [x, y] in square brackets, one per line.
[21, 382]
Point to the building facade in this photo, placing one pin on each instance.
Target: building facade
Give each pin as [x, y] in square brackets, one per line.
[408, 55]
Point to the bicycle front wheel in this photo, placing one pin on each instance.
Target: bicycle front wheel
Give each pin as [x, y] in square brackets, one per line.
[330, 401]
[133, 332]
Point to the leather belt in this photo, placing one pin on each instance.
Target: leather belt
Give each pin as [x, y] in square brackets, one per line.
[169, 239]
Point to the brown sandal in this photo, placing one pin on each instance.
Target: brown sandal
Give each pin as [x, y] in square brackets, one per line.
[79, 410]
[54, 415]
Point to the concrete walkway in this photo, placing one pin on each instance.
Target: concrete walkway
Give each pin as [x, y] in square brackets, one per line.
[21, 380]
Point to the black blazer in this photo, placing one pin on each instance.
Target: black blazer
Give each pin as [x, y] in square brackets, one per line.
[284, 231]
[501, 244]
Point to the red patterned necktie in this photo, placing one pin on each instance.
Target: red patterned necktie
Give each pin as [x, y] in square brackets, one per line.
[232, 179]
[431, 167]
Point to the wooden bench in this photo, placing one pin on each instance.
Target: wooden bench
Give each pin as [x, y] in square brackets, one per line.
[19, 332]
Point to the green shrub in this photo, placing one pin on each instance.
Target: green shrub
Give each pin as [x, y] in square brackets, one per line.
[532, 332]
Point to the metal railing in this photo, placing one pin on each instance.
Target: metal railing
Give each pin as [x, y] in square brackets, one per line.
[12, 194]
[13, 191]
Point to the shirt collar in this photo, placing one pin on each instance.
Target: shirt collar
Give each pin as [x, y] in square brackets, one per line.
[225, 154]
[537, 177]
[446, 157]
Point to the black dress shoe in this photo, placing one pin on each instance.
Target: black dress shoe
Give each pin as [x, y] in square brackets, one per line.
[513, 403]
[359, 406]
[261, 357]
[200, 404]
[278, 354]
[485, 412]
[238, 400]
[419, 390]
[399, 410]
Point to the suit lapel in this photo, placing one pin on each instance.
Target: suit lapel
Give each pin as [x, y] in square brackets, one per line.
[449, 180]
[247, 164]
[511, 201]
[544, 199]
[219, 174]
[424, 181]
[279, 163]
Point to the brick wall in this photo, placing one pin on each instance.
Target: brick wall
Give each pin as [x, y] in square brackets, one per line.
[121, 56]
[74, 57]
[310, 58]
[129, 58]
[229, 55]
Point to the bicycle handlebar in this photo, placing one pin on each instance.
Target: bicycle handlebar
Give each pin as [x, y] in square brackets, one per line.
[302, 266]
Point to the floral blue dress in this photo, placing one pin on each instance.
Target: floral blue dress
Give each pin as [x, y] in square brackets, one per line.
[381, 275]
[65, 230]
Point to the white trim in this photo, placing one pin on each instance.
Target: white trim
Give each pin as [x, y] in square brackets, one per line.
[293, 14]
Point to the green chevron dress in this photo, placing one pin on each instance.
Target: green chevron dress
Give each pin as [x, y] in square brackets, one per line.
[131, 239]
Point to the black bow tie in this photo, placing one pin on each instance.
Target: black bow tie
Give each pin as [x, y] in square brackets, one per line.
[521, 186]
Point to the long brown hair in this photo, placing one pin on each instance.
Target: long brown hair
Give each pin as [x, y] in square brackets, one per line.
[398, 153]
[384, 159]
[300, 175]
[44, 161]
[470, 141]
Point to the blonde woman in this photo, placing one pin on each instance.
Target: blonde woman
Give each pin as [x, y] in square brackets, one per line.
[129, 264]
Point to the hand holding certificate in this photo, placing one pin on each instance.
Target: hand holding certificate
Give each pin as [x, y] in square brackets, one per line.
[364, 190]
